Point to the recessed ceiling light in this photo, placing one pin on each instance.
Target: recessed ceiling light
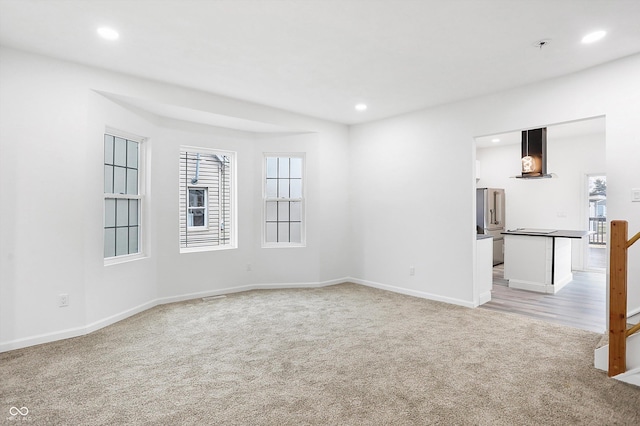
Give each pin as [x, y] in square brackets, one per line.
[108, 33]
[593, 37]
[361, 107]
[496, 140]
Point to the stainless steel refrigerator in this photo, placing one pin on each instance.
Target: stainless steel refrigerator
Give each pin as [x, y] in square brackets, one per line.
[490, 207]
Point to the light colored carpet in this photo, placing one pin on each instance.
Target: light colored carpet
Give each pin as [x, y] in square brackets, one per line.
[345, 354]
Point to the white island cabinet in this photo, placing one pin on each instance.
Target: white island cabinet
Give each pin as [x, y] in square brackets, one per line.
[539, 259]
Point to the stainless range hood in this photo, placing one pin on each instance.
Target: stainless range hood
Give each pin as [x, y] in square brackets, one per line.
[534, 154]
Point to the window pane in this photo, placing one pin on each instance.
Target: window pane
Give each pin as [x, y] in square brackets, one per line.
[296, 188]
[272, 167]
[132, 181]
[122, 212]
[272, 188]
[133, 239]
[283, 167]
[108, 149]
[296, 235]
[122, 241]
[109, 242]
[295, 210]
[120, 175]
[296, 167]
[132, 154]
[283, 188]
[120, 157]
[133, 212]
[196, 217]
[108, 179]
[196, 198]
[271, 233]
[109, 212]
[272, 212]
[283, 211]
[283, 232]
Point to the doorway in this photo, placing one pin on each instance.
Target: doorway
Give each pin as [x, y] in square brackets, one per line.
[597, 213]
[574, 194]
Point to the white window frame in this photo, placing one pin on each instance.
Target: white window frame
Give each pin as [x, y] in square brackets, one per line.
[140, 197]
[301, 199]
[233, 210]
[205, 208]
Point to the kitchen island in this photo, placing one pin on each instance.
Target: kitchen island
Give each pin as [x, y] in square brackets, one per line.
[539, 259]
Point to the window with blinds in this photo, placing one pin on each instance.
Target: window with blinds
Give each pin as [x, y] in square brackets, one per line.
[284, 200]
[206, 202]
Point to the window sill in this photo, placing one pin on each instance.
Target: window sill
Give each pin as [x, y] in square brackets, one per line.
[283, 245]
[202, 249]
[116, 260]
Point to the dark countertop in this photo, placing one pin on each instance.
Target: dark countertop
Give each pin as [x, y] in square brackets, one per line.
[553, 233]
[483, 236]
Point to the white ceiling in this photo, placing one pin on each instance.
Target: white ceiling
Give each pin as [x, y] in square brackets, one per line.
[555, 133]
[321, 57]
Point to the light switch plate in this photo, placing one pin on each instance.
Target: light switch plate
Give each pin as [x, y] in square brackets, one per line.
[635, 194]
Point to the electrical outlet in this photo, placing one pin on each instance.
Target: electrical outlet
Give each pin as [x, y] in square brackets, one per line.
[635, 194]
[63, 300]
[249, 268]
[412, 270]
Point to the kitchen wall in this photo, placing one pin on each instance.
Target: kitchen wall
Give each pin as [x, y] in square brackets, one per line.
[413, 181]
[557, 203]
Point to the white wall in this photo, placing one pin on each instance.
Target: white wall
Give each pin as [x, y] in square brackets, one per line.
[413, 178]
[411, 193]
[51, 181]
[383, 196]
[189, 274]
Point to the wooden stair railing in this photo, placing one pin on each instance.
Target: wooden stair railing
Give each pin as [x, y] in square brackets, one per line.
[618, 297]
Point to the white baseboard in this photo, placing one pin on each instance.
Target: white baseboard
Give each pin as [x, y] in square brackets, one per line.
[249, 287]
[76, 331]
[484, 298]
[415, 293]
[42, 338]
[97, 325]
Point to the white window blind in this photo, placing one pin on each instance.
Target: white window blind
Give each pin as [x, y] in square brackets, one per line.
[206, 198]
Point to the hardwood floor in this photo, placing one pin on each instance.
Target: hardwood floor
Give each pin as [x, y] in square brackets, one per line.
[580, 304]
[597, 257]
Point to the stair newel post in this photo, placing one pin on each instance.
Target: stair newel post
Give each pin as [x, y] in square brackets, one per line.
[618, 298]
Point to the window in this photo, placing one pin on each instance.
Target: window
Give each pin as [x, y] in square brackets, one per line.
[197, 211]
[284, 200]
[206, 201]
[122, 198]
